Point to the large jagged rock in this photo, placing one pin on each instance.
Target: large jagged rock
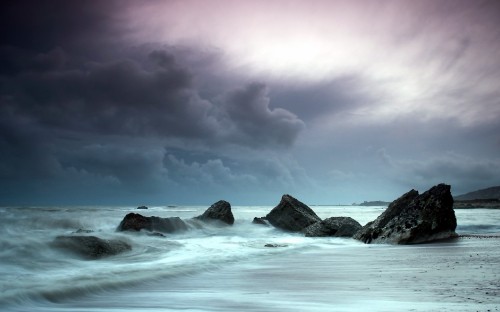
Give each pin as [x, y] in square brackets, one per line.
[334, 226]
[137, 222]
[291, 215]
[91, 247]
[414, 218]
[220, 211]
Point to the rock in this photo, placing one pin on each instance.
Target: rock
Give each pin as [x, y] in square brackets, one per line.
[91, 247]
[261, 221]
[291, 215]
[413, 219]
[142, 207]
[334, 226]
[137, 222]
[156, 234]
[82, 231]
[221, 211]
[275, 245]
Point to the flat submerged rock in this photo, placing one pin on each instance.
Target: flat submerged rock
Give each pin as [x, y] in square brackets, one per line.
[91, 247]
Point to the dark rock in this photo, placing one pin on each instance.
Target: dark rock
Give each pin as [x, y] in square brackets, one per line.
[91, 247]
[142, 207]
[83, 231]
[168, 225]
[275, 245]
[137, 222]
[261, 221]
[335, 226]
[156, 234]
[221, 211]
[414, 218]
[291, 215]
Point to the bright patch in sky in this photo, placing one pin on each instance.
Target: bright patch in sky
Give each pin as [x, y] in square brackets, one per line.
[291, 57]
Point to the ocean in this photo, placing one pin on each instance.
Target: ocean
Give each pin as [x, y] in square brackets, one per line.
[231, 269]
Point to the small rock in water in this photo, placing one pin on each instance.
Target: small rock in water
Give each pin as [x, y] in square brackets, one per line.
[156, 234]
[275, 245]
[261, 221]
[142, 207]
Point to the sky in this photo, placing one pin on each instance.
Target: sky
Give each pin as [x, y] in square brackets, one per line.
[189, 102]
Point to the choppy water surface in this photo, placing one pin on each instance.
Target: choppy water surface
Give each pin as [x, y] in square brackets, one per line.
[191, 267]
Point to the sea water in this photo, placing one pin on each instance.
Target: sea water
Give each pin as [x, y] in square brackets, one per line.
[36, 276]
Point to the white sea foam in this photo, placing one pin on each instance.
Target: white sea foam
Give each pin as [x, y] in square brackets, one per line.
[36, 275]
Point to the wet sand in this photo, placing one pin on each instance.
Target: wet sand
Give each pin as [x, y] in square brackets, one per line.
[460, 275]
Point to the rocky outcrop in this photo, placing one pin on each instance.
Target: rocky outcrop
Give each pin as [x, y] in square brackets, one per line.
[91, 247]
[137, 222]
[220, 211]
[142, 207]
[334, 226]
[291, 215]
[414, 218]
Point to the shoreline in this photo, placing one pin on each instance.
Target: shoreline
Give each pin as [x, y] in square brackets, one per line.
[462, 275]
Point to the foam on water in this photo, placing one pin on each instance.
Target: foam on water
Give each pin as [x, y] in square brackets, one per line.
[32, 269]
[34, 272]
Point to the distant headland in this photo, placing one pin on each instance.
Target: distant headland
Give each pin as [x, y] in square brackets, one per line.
[373, 203]
[483, 198]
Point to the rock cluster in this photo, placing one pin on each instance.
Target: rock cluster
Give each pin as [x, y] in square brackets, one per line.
[219, 212]
[294, 216]
[410, 219]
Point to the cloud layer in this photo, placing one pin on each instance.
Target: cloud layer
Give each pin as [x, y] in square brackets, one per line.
[333, 101]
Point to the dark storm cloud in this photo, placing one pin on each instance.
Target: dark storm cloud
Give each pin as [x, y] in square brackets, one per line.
[25, 149]
[80, 26]
[313, 101]
[51, 80]
[75, 120]
[124, 98]
[117, 97]
[249, 110]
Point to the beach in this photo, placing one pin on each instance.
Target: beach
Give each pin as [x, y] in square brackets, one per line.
[462, 275]
[232, 270]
